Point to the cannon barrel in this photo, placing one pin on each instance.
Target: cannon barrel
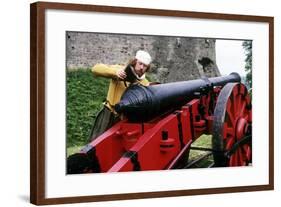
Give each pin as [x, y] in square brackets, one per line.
[141, 103]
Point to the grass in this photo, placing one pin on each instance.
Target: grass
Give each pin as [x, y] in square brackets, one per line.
[73, 150]
[85, 94]
[203, 141]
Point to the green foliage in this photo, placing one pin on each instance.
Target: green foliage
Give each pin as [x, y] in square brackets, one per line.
[85, 94]
[149, 76]
[247, 45]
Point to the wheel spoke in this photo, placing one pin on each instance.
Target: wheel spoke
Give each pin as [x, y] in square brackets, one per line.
[242, 89]
[228, 131]
[240, 157]
[229, 144]
[242, 109]
[248, 153]
[232, 161]
[230, 113]
[235, 100]
[244, 155]
[237, 108]
[237, 157]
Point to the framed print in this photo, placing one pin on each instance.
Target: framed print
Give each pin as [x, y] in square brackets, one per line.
[131, 103]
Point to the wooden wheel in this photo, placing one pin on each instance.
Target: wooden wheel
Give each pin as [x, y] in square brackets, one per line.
[232, 131]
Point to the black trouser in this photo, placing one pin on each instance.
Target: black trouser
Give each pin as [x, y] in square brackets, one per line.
[104, 120]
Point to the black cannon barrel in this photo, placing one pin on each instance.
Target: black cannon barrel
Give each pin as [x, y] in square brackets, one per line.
[141, 103]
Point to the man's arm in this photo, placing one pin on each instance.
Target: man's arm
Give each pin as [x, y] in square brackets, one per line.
[107, 71]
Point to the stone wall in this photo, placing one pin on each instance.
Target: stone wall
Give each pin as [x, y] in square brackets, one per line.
[174, 58]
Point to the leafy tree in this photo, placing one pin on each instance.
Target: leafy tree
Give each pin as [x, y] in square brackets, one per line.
[247, 45]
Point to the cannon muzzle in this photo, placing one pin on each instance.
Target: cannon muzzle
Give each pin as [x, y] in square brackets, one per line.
[141, 103]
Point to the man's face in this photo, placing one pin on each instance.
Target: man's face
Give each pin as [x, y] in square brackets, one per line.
[140, 68]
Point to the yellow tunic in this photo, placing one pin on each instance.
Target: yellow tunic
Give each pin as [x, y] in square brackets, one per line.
[116, 86]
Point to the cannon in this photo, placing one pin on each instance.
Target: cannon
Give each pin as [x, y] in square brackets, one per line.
[162, 121]
[140, 103]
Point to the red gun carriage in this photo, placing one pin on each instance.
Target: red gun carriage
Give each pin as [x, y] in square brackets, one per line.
[162, 121]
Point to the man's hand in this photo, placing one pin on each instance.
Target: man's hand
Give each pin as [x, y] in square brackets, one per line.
[121, 74]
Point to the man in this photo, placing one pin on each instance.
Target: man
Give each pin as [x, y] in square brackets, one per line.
[121, 78]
